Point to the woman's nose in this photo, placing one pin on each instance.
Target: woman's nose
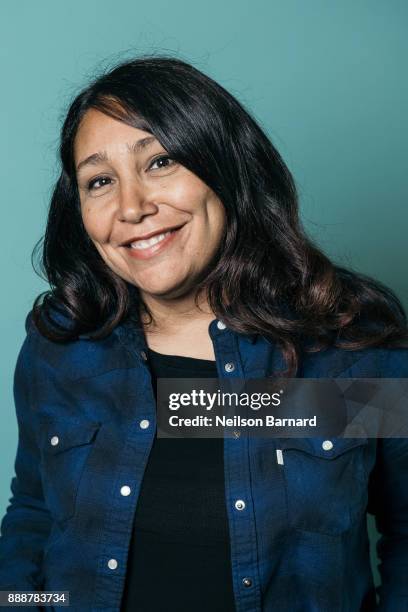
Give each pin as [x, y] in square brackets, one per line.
[135, 201]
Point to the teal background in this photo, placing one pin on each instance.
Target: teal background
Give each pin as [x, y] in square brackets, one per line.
[327, 81]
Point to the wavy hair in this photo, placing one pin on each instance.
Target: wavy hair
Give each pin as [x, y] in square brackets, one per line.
[267, 278]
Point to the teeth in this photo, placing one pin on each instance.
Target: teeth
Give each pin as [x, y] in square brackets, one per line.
[145, 244]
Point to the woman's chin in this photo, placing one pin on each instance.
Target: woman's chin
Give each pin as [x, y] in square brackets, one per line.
[166, 290]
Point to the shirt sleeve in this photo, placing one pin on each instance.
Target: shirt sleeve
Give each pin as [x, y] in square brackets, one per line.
[388, 502]
[27, 522]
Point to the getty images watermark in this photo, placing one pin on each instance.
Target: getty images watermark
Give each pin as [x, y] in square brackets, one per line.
[348, 407]
[207, 401]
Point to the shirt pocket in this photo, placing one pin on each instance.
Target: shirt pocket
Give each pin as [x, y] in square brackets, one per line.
[65, 445]
[326, 483]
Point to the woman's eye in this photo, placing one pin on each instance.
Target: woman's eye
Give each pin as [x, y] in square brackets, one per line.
[164, 161]
[98, 182]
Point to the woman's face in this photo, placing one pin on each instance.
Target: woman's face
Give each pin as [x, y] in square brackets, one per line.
[155, 223]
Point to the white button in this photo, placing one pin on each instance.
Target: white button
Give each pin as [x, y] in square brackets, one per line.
[125, 490]
[143, 355]
[54, 440]
[221, 325]
[112, 564]
[229, 367]
[144, 424]
[240, 504]
[327, 445]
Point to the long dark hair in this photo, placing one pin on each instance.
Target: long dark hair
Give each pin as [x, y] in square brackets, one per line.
[267, 278]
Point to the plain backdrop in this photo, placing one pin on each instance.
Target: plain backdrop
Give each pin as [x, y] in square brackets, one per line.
[326, 80]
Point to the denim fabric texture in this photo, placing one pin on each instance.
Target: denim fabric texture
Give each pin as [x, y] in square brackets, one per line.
[300, 542]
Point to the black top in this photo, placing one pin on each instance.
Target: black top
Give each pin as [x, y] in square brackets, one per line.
[179, 556]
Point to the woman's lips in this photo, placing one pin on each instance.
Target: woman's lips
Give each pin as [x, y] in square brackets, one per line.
[150, 251]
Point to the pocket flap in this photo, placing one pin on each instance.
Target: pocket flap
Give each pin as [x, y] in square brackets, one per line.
[325, 448]
[62, 434]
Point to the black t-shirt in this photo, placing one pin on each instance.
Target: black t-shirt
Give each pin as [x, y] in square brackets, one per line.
[179, 556]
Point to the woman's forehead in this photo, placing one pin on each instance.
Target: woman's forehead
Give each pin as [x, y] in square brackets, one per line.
[98, 133]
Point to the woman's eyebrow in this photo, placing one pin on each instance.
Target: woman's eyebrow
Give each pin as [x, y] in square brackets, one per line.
[102, 156]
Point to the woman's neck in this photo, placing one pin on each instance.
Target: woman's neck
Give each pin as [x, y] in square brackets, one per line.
[179, 328]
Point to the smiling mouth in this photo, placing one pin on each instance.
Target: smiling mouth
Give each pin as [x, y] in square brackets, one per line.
[145, 248]
[140, 245]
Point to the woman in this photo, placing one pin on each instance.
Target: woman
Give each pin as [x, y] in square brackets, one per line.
[173, 248]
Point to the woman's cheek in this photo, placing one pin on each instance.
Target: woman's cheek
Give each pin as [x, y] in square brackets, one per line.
[94, 224]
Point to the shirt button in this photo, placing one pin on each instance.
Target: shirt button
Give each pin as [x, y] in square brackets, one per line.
[125, 490]
[112, 564]
[143, 355]
[240, 504]
[327, 445]
[229, 367]
[221, 325]
[144, 424]
[236, 433]
[54, 440]
[247, 582]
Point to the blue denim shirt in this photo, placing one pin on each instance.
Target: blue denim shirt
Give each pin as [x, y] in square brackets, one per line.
[86, 417]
